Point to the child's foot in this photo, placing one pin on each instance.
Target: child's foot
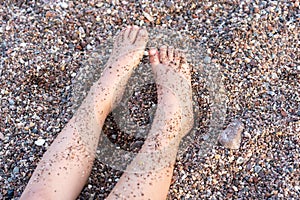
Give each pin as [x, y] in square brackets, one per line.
[173, 81]
[127, 52]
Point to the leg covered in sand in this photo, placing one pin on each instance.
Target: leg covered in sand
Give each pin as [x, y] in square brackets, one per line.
[149, 174]
[66, 165]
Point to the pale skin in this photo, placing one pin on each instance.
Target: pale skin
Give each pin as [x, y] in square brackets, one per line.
[173, 119]
[66, 165]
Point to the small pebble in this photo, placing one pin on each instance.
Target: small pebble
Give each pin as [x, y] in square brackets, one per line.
[16, 170]
[247, 60]
[257, 168]
[49, 14]
[10, 193]
[108, 11]
[231, 136]
[271, 93]
[247, 134]
[207, 59]
[34, 130]
[114, 137]
[39, 142]
[235, 188]
[11, 102]
[169, 4]
[240, 160]
[148, 16]
[64, 5]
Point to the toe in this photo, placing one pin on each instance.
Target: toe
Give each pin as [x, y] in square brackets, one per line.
[133, 34]
[170, 53]
[177, 56]
[127, 32]
[163, 54]
[183, 59]
[153, 56]
[120, 36]
[184, 67]
[142, 37]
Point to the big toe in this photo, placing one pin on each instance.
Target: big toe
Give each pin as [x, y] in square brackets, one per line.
[153, 56]
[132, 35]
[163, 54]
[141, 37]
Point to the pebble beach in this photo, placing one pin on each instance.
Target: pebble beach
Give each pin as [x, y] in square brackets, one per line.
[52, 51]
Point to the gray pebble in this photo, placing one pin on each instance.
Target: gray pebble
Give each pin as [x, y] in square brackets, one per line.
[207, 59]
[35, 130]
[169, 4]
[231, 136]
[257, 168]
[11, 102]
[114, 137]
[16, 170]
[271, 93]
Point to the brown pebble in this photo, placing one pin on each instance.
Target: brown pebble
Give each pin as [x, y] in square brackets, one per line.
[50, 14]
[283, 113]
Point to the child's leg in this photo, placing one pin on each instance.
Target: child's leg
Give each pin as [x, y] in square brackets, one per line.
[66, 165]
[149, 174]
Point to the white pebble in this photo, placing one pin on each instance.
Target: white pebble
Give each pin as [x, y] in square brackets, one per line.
[274, 76]
[108, 11]
[89, 47]
[247, 134]
[23, 44]
[240, 160]
[73, 74]
[81, 30]
[235, 188]
[64, 5]
[148, 16]
[7, 28]
[39, 142]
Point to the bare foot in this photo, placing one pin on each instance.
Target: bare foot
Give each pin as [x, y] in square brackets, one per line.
[127, 52]
[173, 81]
[105, 94]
